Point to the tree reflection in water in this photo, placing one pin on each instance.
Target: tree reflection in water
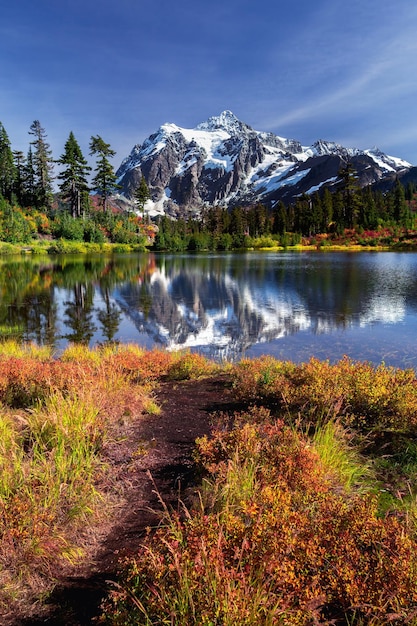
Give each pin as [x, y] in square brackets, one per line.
[290, 305]
[79, 314]
[110, 317]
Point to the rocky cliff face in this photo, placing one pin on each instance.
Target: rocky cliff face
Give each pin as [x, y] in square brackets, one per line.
[226, 162]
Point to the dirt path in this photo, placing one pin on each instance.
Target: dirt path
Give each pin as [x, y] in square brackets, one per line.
[155, 456]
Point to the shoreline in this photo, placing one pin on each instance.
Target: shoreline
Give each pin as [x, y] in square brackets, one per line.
[68, 247]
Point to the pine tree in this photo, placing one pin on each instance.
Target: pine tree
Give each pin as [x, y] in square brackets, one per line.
[142, 195]
[327, 210]
[42, 166]
[238, 226]
[380, 207]
[399, 204]
[339, 212]
[279, 219]
[290, 218]
[19, 183]
[29, 179]
[368, 215]
[74, 183]
[261, 220]
[104, 182]
[317, 214]
[410, 190]
[7, 167]
[350, 191]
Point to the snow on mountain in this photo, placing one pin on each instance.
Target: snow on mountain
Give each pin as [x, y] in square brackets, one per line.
[226, 121]
[389, 163]
[225, 161]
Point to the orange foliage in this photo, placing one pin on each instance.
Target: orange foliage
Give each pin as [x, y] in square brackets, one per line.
[364, 395]
[293, 548]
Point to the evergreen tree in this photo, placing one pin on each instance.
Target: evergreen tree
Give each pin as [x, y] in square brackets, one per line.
[142, 195]
[339, 217]
[74, 184]
[42, 166]
[317, 214]
[327, 210]
[410, 190]
[368, 213]
[237, 226]
[381, 205]
[19, 183]
[290, 218]
[29, 179]
[7, 167]
[104, 182]
[261, 220]
[400, 209]
[162, 237]
[216, 220]
[305, 219]
[279, 219]
[349, 190]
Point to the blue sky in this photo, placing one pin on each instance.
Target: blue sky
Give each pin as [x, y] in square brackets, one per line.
[329, 69]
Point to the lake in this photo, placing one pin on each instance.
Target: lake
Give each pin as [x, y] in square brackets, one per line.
[292, 305]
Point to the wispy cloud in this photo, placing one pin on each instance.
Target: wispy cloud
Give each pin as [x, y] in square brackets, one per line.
[337, 69]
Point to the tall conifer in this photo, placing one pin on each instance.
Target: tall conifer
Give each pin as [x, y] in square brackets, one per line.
[74, 184]
[104, 182]
[7, 168]
[142, 195]
[42, 166]
[19, 183]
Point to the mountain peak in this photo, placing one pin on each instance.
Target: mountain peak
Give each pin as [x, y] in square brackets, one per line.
[323, 147]
[225, 121]
[224, 161]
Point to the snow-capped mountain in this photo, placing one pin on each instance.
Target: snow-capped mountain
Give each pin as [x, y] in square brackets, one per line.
[226, 162]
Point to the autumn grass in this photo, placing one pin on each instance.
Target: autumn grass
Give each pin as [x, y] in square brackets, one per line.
[56, 418]
[11, 348]
[57, 415]
[63, 246]
[306, 512]
[272, 539]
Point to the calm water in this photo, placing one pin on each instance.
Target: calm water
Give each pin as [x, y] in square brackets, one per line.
[291, 305]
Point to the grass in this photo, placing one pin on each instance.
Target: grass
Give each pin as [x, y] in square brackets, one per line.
[11, 348]
[291, 524]
[306, 511]
[340, 458]
[272, 539]
[49, 466]
[56, 418]
[62, 246]
[151, 407]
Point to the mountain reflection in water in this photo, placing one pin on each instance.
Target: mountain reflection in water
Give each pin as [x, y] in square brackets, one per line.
[290, 305]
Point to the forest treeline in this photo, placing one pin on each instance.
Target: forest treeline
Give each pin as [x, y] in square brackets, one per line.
[372, 216]
[82, 210]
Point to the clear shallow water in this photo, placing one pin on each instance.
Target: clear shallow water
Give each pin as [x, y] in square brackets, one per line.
[291, 305]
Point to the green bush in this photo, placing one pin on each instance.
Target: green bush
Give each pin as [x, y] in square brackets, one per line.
[13, 226]
[93, 233]
[67, 227]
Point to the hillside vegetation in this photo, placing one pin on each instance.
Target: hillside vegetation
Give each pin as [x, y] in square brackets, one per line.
[304, 511]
